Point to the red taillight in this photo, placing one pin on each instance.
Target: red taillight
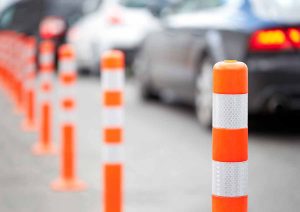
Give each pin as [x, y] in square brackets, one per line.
[114, 17]
[294, 35]
[114, 20]
[269, 40]
[275, 40]
[52, 27]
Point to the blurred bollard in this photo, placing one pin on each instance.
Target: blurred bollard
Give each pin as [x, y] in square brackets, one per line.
[67, 77]
[46, 77]
[230, 137]
[113, 77]
[18, 72]
[29, 122]
[2, 59]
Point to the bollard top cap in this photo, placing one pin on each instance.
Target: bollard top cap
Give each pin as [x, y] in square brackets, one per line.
[47, 46]
[66, 51]
[114, 59]
[230, 77]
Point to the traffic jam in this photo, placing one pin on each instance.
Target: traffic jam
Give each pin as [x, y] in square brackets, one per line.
[138, 105]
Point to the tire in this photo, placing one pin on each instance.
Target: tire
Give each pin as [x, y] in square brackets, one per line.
[146, 93]
[203, 93]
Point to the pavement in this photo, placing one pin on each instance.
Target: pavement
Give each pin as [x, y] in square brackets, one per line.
[167, 160]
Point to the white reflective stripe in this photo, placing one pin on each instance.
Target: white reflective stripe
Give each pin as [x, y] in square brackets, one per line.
[112, 80]
[46, 58]
[230, 111]
[44, 98]
[230, 179]
[46, 77]
[67, 66]
[67, 117]
[112, 153]
[112, 117]
[66, 92]
[30, 68]
[29, 84]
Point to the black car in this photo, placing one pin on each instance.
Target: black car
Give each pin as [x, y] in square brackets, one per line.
[176, 62]
[44, 19]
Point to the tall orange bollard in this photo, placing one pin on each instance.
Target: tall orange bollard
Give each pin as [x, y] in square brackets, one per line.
[230, 137]
[113, 77]
[67, 77]
[29, 123]
[45, 144]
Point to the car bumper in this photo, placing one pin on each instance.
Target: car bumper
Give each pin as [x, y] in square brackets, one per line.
[273, 88]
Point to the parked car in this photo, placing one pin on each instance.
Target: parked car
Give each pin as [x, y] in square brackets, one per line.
[112, 24]
[176, 62]
[45, 19]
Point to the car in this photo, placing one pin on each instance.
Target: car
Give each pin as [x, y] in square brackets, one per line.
[175, 62]
[112, 24]
[44, 19]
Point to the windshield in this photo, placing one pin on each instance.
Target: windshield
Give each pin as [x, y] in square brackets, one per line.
[278, 10]
[134, 3]
[70, 10]
[187, 6]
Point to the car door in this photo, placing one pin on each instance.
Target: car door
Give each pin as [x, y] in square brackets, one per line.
[163, 60]
[184, 38]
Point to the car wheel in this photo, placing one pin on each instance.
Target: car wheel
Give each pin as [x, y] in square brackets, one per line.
[203, 96]
[147, 93]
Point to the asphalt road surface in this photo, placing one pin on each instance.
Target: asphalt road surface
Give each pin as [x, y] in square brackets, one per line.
[167, 160]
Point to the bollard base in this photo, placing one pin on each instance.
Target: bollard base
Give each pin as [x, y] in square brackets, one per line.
[40, 149]
[71, 185]
[28, 126]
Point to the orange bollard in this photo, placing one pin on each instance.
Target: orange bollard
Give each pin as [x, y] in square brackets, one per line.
[29, 123]
[112, 81]
[67, 77]
[19, 51]
[45, 145]
[230, 137]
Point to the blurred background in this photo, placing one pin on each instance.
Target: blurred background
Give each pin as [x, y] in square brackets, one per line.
[170, 47]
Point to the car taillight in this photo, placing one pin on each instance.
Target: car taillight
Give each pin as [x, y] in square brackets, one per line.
[294, 35]
[269, 40]
[52, 27]
[114, 17]
[275, 40]
[114, 20]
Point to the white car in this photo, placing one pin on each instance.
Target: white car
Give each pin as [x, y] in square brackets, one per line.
[112, 24]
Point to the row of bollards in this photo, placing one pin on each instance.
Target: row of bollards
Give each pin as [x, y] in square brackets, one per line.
[31, 93]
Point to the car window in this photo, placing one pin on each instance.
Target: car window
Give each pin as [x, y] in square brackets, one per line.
[7, 17]
[134, 3]
[278, 10]
[91, 5]
[186, 6]
[69, 10]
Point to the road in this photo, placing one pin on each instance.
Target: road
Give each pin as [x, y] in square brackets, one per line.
[167, 160]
